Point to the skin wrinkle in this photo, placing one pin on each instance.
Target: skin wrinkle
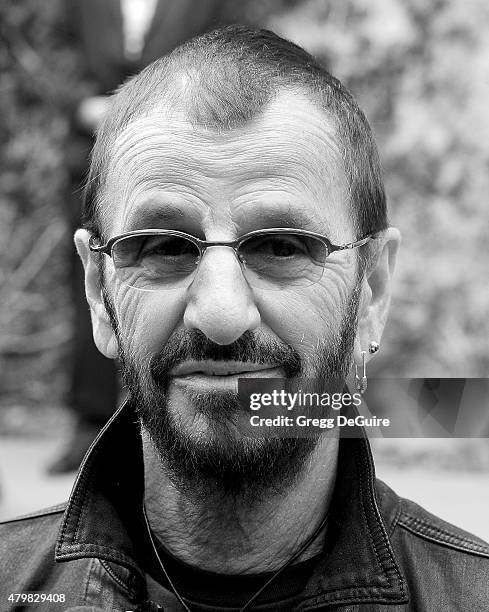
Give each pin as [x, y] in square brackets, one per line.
[148, 208]
[227, 514]
[334, 290]
[222, 177]
[136, 146]
[177, 112]
[224, 512]
[188, 198]
[241, 210]
[159, 209]
[142, 157]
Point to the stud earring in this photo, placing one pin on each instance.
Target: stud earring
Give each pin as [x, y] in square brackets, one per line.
[373, 347]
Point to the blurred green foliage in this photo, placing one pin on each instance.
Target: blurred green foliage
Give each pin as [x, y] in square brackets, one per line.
[419, 69]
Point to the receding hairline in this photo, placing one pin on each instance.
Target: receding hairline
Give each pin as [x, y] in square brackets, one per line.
[167, 107]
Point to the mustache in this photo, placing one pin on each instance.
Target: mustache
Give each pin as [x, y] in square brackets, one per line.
[251, 347]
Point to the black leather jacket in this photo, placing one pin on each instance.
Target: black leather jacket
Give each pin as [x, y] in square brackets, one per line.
[383, 553]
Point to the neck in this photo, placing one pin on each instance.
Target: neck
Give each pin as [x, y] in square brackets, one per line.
[224, 534]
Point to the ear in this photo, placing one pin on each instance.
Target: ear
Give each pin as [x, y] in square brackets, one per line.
[103, 334]
[376, 293]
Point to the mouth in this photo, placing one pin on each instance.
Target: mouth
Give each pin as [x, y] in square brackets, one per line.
[221, 368]
[221, 375]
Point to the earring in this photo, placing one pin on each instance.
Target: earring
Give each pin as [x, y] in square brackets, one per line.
[373, 347]
[361, 383]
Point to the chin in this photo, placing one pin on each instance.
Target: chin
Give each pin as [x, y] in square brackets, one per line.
[211, 417]
[203, 450]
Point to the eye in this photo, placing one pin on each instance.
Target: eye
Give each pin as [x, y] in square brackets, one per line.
[280, 245]
[167, 246]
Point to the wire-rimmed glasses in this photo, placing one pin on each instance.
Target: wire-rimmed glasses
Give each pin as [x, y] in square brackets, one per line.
[275, 258]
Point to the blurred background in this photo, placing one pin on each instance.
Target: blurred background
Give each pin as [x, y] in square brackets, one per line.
[419, 69]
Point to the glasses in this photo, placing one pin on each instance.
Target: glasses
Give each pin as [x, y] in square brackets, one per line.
[276, 258]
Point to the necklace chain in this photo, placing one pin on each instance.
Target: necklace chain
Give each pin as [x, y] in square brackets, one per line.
[247, 605]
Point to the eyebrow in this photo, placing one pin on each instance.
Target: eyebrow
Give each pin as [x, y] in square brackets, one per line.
[154, 216]
[165, 215]
[289, 217]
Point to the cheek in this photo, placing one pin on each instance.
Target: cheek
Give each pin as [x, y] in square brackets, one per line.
[148, 318]
[305, 317]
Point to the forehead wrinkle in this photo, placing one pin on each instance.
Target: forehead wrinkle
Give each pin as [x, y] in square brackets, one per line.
[161, 210]
[152, 164]
[283, 198]
[308, 127]
[153, 151]
[146, 179]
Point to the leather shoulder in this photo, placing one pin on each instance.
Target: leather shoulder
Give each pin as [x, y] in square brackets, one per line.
[58, 509]
[404, 514]
[445, 567]
[422, 524]
[30, 534]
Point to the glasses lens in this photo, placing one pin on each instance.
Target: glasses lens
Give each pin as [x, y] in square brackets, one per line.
[283, 259]
[155, 262]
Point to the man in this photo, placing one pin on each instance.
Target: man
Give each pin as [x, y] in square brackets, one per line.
[220, 179]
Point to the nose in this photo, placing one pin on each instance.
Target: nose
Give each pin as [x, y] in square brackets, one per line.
[220, 302]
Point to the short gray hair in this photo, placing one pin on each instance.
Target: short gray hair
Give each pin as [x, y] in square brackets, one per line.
[232, 74]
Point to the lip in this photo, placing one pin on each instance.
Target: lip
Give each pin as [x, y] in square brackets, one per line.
[221, 368]
[199, 381]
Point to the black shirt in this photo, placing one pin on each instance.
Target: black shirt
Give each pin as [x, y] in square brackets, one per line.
[201, 588]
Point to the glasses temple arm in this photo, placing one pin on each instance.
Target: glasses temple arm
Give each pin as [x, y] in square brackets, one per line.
[354, 245]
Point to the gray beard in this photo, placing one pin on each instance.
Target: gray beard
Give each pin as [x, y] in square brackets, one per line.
[225, 463]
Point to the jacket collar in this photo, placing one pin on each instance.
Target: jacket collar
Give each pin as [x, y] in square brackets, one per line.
[105, 504]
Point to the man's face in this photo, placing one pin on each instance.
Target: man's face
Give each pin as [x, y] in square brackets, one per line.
[184, 349]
